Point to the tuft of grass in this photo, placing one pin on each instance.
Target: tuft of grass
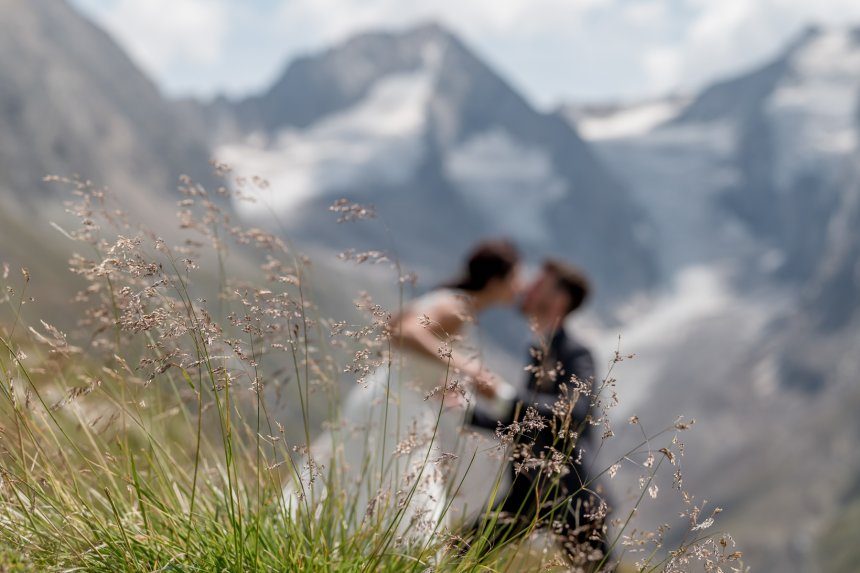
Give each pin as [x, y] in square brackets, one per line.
[159, 435]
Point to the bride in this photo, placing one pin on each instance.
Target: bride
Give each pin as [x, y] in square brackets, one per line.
[397, 450]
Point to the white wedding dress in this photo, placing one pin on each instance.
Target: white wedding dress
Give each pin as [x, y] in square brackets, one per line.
[398, 455]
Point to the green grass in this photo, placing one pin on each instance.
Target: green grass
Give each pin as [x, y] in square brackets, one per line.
[108, 483]
[160, 434]
[837, 549]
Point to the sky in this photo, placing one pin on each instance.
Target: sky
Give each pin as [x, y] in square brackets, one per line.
[552, 50]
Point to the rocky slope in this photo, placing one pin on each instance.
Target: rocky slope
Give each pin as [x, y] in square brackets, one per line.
[754, 191]
[447, 151]
[72, 102]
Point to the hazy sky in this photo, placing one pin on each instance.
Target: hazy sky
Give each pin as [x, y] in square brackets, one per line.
[552, 50]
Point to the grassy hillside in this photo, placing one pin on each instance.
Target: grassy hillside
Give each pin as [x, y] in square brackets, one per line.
[159, 433]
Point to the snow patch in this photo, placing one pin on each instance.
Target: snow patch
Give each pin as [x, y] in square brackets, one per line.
[676, 173]
[377, 141]
[701, 299]
[508, 181]
[629, 121]
[697, 292]
[814, 110]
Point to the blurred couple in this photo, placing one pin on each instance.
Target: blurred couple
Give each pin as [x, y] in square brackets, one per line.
[401, 434]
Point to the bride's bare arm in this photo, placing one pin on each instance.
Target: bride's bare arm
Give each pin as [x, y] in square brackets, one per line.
[426, 333]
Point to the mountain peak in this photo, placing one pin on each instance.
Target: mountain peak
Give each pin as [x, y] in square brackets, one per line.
[739, 97]
[429, 30]
[410, 41]
[417, 124]
[318, 84]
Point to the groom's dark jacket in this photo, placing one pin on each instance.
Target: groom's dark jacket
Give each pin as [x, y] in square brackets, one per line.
[541, 393]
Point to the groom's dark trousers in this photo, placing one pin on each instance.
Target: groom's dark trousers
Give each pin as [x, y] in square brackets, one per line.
[567, 500]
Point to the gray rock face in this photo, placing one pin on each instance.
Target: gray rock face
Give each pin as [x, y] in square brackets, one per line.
[318, 85]
[835, 291]
[459, 155]
[72, 102]
[756, 180]
[795, 122]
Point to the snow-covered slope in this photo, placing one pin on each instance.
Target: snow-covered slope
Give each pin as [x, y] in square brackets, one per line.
[597, 122]
[379, 140]
[796, 130]
[754, 190]
[447, 151]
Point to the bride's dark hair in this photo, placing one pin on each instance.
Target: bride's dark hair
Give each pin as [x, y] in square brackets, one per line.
[487, 260]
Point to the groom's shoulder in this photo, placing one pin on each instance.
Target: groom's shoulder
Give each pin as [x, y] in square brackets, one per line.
[571, 344]
[577, 358]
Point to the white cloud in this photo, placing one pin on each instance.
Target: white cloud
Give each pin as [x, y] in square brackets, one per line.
[334, 17]
[663, 66]
[164, 34]
[646, 12]
[727, 36]
[551, 48]
[325, 21]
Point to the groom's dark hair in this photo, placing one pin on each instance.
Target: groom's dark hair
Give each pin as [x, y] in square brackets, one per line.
[571, 280]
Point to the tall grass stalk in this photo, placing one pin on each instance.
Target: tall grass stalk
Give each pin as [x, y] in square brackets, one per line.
[160, 433]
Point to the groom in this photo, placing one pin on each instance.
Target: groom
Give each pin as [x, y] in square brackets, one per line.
[549, 427]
